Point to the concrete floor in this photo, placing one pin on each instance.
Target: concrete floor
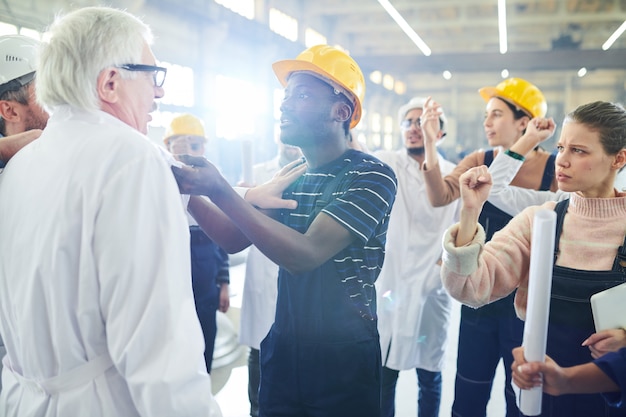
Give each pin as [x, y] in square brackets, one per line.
[230, 382]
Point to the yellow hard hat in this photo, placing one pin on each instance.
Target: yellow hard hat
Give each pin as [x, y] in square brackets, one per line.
[184, 125]
[520, 93]
[334, 67]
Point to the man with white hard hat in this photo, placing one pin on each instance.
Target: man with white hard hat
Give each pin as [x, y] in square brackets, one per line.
[21, 118]
[413, 307]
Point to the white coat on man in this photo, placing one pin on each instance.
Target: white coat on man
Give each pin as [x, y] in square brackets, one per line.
[413, 307]
[102, 276]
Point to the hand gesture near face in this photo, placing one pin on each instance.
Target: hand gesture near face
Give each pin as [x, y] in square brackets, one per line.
[429, 121]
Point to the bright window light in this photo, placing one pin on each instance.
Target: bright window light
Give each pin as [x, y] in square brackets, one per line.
[242, 7]
[375, 121]
[502, 26]
[7, 29]
[376, 77]
[283, 24]
[279, 95]
[313, 37]
[399, 88]
[406, 28]
[179, 85]
[609, 42]
[388, 82]
[388, 124]
[376, 140]
[235, 118]
[388, 142]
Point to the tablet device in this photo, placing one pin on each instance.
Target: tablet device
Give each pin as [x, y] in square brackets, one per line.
[609, 308]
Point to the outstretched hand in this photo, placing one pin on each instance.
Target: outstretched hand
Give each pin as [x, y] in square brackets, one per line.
[270, 194]
[605, 341]
[198, 176]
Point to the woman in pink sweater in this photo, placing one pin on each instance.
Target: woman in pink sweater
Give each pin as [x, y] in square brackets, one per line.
[590, 236]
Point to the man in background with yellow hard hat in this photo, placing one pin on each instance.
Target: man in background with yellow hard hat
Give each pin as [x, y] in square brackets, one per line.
[321, 356]
[210, 276]
[489, 333]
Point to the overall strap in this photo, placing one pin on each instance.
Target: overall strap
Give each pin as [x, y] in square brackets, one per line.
[561, 209]
[620, 260]
[488, 157]
[548, 173]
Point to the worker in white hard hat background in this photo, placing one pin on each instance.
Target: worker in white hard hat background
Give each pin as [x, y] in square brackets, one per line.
[321, 356]
[210, 274]
[413, 307]
[489, 334]
[21, 118]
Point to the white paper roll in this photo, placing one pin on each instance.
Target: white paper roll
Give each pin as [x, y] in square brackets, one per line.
[538, 305]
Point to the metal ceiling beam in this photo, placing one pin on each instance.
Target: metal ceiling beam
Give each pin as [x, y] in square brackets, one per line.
[559, 60]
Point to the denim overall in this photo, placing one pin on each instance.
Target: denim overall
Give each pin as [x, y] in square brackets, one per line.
[489, 333]
[571, 322]
[206, 259]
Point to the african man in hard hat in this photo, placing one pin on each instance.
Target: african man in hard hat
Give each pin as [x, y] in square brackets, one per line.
[21, 118]
[321, 356]
[210, 275]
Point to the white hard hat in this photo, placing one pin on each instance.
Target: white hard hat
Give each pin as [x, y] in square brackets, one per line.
[18, 56]
[418, 103]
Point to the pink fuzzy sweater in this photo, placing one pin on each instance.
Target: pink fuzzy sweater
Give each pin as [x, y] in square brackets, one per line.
[479, 273]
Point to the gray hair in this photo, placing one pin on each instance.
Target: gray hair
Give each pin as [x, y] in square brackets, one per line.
[82, 44]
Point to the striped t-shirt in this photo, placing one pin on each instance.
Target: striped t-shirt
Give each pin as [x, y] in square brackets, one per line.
[362, 202]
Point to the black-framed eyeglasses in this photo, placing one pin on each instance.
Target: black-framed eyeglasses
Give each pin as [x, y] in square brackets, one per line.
[158, 73]
[406, 123]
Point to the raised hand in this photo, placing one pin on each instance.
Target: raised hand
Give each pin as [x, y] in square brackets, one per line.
[475, 185]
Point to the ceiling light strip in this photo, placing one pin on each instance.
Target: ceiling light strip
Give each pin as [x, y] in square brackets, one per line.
[502, 26]
[405, 27]
[609, 42]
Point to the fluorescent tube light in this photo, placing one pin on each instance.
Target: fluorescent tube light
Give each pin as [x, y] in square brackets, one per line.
[405, 27]
[502, 26]
[609, 42]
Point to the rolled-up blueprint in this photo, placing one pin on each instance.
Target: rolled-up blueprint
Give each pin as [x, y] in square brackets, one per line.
[538, 305]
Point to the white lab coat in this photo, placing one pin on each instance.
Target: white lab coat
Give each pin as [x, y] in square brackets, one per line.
[413, 307]
[93, 246]
[260, 289]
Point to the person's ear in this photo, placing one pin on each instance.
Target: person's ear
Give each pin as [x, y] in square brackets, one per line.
[620, 160]
[523, 123]
[8, 111]
[343, 111]
[108, 84]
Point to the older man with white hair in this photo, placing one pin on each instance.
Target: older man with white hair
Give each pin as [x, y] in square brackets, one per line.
[96, 318]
